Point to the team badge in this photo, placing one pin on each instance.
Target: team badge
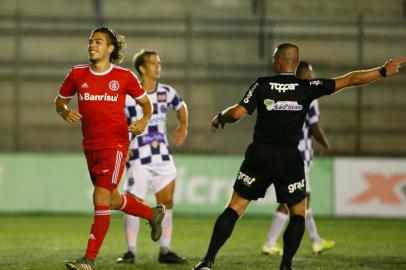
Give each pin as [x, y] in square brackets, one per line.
[114, 85]
[269, 104]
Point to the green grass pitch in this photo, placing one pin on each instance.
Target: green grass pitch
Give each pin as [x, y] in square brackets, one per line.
[43, 242]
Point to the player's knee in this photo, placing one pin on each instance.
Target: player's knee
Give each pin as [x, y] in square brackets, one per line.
[101, 196]
[167, 201]
[282, 208]
[115, 204]
[298, 208]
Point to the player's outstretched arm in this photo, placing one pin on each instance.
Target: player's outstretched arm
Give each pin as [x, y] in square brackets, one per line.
[361, 77]
[137, 127]
[229, 115]
[180, 134]
[69, 115]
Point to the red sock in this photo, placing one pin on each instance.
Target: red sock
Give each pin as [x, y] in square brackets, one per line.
[98, 231]
[135, 207]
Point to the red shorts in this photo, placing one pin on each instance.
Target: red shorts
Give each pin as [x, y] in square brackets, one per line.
[106, 167]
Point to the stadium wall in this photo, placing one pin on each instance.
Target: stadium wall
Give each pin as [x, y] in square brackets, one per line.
[59, 183]
[211, 51]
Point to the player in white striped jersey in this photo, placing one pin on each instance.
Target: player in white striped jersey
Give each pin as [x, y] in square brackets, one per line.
[150, 162]
[311, 129]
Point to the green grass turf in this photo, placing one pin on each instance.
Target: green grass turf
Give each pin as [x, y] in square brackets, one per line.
[44, 242]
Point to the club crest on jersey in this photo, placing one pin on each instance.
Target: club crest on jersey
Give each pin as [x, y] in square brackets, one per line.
[161, 97]
[114, 85]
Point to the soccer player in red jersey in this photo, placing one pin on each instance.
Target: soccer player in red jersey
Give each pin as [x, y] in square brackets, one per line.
[101, 88]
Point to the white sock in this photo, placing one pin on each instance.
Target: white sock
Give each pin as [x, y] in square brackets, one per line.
[165, 241]
[131, 227]
[311, 227]
[278, 223]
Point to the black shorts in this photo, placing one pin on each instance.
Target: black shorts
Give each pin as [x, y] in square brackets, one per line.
[265, 165]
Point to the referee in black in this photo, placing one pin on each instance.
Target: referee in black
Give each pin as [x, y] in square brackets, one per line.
[273, 157]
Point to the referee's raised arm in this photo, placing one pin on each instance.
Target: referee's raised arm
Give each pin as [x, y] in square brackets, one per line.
[361, 77]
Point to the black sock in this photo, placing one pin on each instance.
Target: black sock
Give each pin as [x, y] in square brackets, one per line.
[221, 232]
[291, 239]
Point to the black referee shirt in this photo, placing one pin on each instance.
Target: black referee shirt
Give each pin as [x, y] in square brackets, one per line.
[282, 102]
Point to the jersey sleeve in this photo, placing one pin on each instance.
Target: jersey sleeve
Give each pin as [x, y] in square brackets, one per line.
[134, 88]
[68, 88]
[174, 100]
[250, 99]
[313, 112]
[319, 88]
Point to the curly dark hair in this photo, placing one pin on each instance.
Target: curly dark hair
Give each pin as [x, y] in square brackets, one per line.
[115, 39]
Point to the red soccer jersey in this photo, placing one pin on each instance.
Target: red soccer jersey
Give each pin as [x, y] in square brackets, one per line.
[101, 98]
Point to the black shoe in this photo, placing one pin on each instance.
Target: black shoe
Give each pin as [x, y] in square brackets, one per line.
[203, 265]
[80, 264]
[171, 258]
[156, 228]
[128, 257]
[283, 267]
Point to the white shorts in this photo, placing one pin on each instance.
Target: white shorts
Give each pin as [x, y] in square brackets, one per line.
[140, 177]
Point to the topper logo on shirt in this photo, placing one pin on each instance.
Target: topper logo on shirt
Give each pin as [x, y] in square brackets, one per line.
[283, 87]
[114, 85]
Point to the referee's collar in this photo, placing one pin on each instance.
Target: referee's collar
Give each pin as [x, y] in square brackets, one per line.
[286, 73]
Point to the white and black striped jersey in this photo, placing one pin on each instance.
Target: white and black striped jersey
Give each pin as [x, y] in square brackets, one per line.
[152, 145]
[306, 143]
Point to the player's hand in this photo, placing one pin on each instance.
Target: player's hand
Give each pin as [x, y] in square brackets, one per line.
[137, 127]
[179, 136]
[71, 116]
[215, 123]
[326, 151]
[129, 154]
[393, 65]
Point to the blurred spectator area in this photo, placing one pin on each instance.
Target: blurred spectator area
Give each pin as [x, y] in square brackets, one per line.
[210, 50]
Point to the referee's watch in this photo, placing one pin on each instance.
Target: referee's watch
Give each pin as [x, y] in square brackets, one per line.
[382, 71]
[221, 120]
